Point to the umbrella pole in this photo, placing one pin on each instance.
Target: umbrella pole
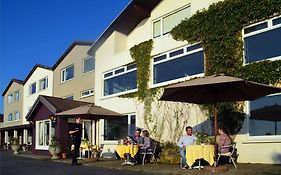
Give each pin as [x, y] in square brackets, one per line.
[215, 131]
[275, 127]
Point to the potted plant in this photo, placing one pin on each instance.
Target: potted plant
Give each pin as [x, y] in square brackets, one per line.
[15, 145]
[54, 148]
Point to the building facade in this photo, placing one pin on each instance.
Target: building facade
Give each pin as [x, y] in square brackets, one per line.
[74, 73]
[172, 62]
[12, 125]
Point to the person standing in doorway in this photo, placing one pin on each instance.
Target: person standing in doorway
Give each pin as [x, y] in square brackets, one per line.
[76, 133]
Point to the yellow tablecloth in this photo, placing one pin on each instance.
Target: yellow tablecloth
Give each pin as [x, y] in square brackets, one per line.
[124, 149]
[206, 152]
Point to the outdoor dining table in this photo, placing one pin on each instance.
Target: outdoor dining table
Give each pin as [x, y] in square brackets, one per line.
[194, 152]
[127, 150]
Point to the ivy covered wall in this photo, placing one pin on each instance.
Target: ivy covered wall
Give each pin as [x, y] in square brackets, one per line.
[219, 29]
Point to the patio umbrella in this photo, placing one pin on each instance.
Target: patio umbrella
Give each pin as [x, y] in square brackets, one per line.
[90, 111]
[268, 113]
[215, 89]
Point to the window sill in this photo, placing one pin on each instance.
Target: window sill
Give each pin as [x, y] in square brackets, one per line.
[86, 73]
[263, 139]
[118, 94]
[62, 82]
[43, 148]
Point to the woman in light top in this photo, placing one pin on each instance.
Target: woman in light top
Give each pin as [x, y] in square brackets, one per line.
[147, 142]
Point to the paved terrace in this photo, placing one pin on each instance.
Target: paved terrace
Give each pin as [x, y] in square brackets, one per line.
[150, 168]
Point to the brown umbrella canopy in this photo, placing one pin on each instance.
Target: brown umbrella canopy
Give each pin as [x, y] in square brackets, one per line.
[215, 89]
[89, 111]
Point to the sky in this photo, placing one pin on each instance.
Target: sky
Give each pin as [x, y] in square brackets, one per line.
[39, 31]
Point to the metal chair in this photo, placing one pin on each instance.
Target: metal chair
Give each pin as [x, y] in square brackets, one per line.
[150, 152]
[228, 154]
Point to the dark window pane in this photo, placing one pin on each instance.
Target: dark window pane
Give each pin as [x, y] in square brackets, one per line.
[177, 52]
[69, 98]
[160, 58]
[115, 129]
[255, 28]
[276, 21]
[194, 47]
[89, 64]
[108, 74]
[69, 72]
[263, 46]
[119, 71]
[181, 67]
[131, 66]
[120, 83]
[265, 116]
[132, 125]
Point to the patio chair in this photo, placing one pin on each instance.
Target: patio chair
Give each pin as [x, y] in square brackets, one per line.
[150, 152]
[228, 154]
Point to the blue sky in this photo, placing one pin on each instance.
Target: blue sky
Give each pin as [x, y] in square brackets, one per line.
[39, 31]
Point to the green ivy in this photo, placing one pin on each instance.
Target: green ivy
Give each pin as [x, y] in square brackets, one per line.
[266, 72]
[141, 54]
[219, 31]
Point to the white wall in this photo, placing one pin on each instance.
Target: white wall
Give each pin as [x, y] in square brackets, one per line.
[29, 99]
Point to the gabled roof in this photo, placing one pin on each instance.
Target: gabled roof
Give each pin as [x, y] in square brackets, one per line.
[54, 104]
[83, 43]
[11, 82]
[33, 69]
[129, 18]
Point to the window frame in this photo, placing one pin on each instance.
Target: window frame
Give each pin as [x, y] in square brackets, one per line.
[114, 74]
[46, 85]
[10, 114]
[15, 95]
[169, 58]
[67, 97]
[83, 65]
[16, 115]
[30, 88]
[258, 139]
[164, 16]
[129, 115]
[269, 27]
[43, 147]
[10, 98]
[88, 95]
[63, 75]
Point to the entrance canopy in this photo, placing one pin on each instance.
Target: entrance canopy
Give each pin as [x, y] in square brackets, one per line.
[89, 111]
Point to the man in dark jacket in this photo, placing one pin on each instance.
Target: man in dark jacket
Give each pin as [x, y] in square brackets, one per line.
[76, 133]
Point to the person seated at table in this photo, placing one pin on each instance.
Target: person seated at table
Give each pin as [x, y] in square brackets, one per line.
[145, 144]
[188, 139]
[223, 143]
[137, 138]
[128, 141]
[223, 140]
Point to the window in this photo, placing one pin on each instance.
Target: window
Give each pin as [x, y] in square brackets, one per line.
[10, 117]
[43, 84]
[17, 95]
[44, 133]
[120, 80]
[32, 88]
[177, 64]
[69, 97]
[262, 41]
[166, 23]
[131, 124]
[17, 115]
[87, 93]
[265, 116]
[10, 98]
[115, 129]
[67, 73]
[89, 64]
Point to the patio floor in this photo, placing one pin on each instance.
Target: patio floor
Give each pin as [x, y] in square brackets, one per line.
[243, 169]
